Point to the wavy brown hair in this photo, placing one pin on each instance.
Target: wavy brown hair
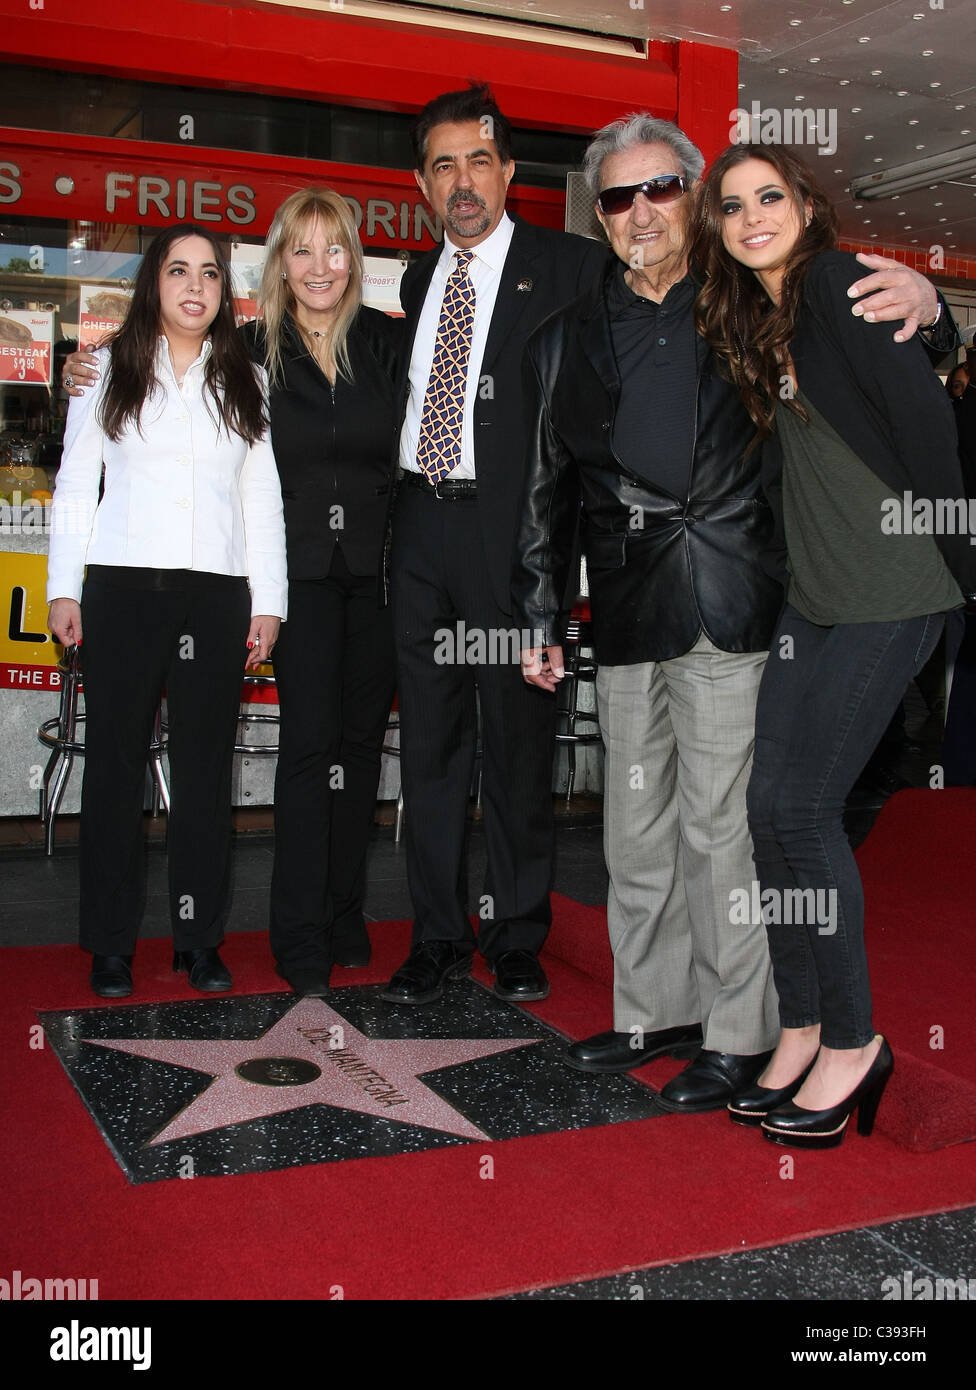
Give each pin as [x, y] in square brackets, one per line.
[733, 312]
[229, 374]
[292, 224]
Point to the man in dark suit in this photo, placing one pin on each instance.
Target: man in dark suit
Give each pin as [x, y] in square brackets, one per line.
[470, 305]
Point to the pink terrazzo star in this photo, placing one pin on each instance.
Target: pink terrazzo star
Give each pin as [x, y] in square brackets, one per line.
[374, 1076]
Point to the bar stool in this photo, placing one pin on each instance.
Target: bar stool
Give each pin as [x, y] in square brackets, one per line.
[61, 736]
[392, 750]
[261, 684]
[578, 668]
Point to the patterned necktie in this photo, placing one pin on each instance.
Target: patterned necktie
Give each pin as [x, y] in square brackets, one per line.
[439, 444]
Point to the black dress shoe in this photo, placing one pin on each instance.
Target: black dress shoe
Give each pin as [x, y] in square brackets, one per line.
[423, 975]
[616, 1051]
[824, 1129]
[206, 970]
[350, 943]
[305, 979]
[751, 1106]
[519, 977]
[711, 1080]
[111, 976]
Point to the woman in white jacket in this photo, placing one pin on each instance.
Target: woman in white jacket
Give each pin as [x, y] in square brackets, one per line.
[174, 578]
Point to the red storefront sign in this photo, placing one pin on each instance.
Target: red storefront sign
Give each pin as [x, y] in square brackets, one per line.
[84, 179]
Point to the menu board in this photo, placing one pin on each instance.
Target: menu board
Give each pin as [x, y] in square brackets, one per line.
[26, 336]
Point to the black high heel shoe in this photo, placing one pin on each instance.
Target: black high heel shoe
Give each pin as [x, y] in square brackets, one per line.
[206, 970]
[750, 1107]
[824, 1129]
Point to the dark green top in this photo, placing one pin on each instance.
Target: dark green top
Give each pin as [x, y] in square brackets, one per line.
[842, 567]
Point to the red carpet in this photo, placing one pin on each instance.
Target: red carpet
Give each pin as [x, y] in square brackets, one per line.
[559, 1207]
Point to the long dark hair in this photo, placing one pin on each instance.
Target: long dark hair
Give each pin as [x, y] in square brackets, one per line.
[733, 312]
[229, 375]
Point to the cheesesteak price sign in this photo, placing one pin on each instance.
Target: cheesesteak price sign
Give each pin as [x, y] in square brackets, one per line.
[26, 336]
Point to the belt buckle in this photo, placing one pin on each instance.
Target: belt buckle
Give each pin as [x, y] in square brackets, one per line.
[441, 497]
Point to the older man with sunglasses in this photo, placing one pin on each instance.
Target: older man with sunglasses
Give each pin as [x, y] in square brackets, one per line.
[631, 420]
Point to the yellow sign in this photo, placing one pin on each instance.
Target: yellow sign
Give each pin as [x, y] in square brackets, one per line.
[24, 637]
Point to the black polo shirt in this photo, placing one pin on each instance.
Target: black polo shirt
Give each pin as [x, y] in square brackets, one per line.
[654, 344]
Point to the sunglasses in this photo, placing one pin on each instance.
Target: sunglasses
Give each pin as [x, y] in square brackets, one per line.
[665, 189]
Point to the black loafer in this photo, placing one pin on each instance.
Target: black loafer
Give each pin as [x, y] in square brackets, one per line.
[305, 979]
[711, 1080]
[206, 970]
[519, 977]
[617, 1051]
[111, 976]
[428, 968]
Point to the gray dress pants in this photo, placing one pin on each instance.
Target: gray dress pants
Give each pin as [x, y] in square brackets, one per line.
[679, 736]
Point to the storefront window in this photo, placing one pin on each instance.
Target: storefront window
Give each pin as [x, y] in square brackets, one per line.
[61, 284]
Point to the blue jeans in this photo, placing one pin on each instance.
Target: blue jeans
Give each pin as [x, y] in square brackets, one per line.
[826, 698]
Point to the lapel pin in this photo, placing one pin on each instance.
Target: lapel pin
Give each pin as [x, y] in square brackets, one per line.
[524, 286]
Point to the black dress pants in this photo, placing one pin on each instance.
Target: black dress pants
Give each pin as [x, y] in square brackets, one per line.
[335, 673]
[440, 580]
[145, 629]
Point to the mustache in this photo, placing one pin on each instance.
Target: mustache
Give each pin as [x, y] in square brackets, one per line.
[460, 196]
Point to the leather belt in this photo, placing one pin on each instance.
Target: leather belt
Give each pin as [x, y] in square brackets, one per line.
[447, 490]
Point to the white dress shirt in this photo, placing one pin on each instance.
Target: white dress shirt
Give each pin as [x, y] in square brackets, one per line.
[484, 270]
[182, 494]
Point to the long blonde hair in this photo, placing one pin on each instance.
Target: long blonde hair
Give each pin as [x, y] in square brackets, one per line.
[292, 223]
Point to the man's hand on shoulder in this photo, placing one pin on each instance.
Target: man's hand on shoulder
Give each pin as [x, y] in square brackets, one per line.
[80, 370]
[894, 291]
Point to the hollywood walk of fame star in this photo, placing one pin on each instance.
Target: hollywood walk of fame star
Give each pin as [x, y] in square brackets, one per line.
[374, 1076]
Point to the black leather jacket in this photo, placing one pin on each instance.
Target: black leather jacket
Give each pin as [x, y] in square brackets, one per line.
[661, 568]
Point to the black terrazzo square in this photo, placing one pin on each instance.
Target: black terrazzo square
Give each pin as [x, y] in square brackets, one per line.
[260, 1082]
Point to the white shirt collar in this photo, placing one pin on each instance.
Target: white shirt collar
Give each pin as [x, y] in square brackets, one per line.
[492, 250]
[163, 358]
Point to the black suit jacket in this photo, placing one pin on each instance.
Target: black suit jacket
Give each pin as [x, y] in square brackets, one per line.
[543, 270]
[332, 445]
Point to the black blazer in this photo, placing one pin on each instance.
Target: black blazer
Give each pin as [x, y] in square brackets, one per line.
[332, 445]
[882, 398]
[543, 270]
[660, 567]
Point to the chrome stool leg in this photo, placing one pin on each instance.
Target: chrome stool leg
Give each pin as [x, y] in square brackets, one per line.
[61, 735]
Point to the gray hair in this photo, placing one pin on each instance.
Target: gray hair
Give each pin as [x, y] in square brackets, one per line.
[639, 129]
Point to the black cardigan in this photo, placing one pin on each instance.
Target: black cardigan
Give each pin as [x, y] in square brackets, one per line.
[333, 445]
[883, 398]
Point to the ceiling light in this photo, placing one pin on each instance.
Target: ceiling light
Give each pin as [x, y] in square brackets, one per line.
[920, 173]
